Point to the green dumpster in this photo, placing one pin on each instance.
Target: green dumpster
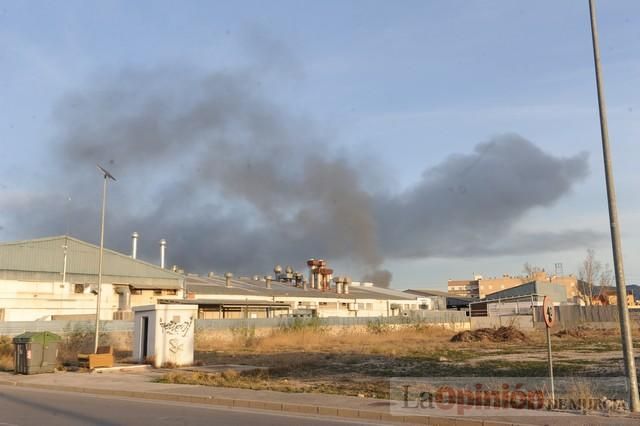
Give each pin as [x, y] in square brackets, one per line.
[36, 352]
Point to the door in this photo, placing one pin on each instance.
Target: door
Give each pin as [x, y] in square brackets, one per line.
[145, 337]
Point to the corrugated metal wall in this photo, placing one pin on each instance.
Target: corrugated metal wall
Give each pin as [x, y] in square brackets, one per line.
[47, 255]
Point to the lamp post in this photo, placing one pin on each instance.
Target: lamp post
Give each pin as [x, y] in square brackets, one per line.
[625, 329]
[106, 176]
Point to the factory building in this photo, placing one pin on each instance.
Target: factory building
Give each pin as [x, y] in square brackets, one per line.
[480, 287]
[221, 297]
[442, 299]
[57, 277]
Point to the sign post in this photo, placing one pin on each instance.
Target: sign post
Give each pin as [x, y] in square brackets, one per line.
[548, 314]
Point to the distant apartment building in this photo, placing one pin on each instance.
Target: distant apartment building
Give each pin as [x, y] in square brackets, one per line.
[610, 297]
[480, 287]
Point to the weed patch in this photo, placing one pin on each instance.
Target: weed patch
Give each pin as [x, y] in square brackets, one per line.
[6, 354]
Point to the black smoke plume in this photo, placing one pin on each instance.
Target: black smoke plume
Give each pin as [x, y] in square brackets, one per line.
[236, 182]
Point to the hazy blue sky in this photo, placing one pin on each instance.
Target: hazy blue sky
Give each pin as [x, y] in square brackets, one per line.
[398, 85]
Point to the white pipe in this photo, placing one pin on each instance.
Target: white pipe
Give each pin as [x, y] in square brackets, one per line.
[163, 250]
[134, 245]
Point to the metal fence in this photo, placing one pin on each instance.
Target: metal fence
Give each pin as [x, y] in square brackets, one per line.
[421, 317]
[568, 316]
[13, 328]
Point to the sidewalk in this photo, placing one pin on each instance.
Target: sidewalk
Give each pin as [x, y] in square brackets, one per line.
[139, 384]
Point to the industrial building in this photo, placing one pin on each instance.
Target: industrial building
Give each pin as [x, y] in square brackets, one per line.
[480, 287]
[556, 292]
[519, 299]
[227, 297]
[56, 278]
[442, 299]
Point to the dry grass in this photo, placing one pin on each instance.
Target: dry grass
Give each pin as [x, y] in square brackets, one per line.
[406, 340]
[6, 354]
[263, 380]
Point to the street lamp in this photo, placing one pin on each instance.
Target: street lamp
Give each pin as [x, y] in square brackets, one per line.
[625, 329]
[106, 176]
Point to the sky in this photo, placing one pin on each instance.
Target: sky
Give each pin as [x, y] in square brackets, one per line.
[418, 140]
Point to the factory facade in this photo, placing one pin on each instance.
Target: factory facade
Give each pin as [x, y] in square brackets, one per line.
[57, 278]
[219, 298]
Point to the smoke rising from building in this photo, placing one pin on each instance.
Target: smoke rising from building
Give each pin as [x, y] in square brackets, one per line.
[235, 182]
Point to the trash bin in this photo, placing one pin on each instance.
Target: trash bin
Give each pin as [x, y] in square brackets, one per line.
[36, 352]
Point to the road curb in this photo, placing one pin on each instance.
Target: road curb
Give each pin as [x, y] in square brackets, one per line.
[293, 408]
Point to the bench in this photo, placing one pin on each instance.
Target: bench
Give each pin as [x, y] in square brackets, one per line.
[102, 358]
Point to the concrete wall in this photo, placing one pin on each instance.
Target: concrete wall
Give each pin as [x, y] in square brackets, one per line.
[449, 319]
[567, 316]
[32, 301]
[523, 322]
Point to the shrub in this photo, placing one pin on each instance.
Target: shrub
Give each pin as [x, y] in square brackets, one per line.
[79, 340]
[245, 335]
[377, 326]
[6, 354]
[302, 324]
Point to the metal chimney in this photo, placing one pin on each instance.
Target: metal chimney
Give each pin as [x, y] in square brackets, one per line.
[268, 279]
[277, 271]
[345, 285]
[163, 251]
[310, 265]
[134, 245]
[227, 277]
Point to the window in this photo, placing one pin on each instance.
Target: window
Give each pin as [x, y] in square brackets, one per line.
[78, 288]
[171, 292]
[157, 292]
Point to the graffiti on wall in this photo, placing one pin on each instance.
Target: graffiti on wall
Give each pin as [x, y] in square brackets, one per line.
[173, 328]
[175, 346]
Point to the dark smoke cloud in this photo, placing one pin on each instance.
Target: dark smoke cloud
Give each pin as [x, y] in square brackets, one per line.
[381, 277]
[469, 204]
[242, 183]
[234, 182]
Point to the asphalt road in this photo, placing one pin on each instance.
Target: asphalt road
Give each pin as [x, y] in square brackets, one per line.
[31, 407]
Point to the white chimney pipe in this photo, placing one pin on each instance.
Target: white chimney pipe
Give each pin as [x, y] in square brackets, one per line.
[163, 250]
[134, 245]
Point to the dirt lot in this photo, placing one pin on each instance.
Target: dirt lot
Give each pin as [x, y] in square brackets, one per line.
[310, 359]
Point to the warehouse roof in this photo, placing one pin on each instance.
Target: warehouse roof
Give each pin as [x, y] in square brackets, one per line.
[216, 285]
[43, 258]
[557, 292]
[225, 302]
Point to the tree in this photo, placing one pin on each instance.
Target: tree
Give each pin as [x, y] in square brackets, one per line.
[529, 270]
[589, 273]
[606, 278]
